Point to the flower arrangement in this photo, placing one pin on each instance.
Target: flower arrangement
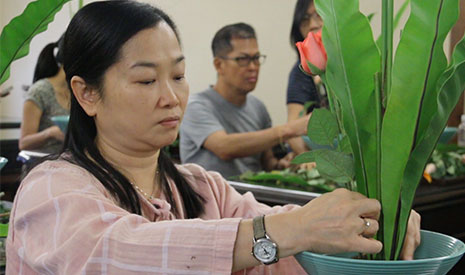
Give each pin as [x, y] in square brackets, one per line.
[386, 112]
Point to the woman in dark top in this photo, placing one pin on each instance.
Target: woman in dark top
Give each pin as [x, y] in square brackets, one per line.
[301, 87]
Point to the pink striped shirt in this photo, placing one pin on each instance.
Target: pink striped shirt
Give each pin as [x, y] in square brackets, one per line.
[65, 222]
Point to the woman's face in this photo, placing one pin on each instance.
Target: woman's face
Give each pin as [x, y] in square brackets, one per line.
[312, 21]
[144, 93]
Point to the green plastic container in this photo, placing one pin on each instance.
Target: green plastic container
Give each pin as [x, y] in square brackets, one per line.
[61, 121]
[3, 162]
[437, 254]
[447, 134]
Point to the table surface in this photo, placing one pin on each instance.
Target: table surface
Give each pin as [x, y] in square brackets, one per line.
[9, 122]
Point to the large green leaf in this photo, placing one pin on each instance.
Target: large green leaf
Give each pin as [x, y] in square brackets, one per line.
[450, 91]
[353, 59]
[334, 165]
[418, 64]
[322, 127]
[305, 157]
[16, 36]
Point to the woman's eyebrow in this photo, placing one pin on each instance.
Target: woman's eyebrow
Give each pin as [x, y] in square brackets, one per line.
[144, 64]
[179, 59]
[154, 65]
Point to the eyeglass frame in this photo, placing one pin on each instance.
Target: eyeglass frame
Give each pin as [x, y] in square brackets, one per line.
[255, 59]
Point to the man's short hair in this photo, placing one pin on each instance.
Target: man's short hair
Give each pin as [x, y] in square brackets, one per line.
[221, 44]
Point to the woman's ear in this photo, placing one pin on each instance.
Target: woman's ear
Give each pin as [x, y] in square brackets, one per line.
[87, 96]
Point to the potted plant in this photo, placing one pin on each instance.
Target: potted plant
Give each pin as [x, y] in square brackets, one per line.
[386, 113]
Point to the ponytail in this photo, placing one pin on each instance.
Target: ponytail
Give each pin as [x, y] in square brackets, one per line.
[47, 65]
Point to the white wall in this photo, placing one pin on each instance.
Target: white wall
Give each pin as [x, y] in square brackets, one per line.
[197, 21]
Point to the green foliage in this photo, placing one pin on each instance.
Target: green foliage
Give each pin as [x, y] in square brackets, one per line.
[448, 160]
[304, 180]
[323, 129]
[390, 146]
[16, 36]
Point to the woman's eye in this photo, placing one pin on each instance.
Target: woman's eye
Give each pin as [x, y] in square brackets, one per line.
[179, 78]
[147, 82]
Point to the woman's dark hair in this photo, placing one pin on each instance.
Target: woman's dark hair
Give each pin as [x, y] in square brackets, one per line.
[92, 44]
[48, 63]
[300, 13]
[221, 44]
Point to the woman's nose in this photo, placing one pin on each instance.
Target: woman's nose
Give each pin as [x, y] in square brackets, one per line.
[168, 96]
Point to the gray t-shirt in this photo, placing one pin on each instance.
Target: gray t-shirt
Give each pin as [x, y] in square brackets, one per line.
[208, 112]
[43, 95]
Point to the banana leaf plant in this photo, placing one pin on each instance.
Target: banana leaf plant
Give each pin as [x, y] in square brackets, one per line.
[386, 112]
[16, 36]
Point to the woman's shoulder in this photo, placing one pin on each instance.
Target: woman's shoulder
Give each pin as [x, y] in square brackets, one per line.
[42, 85]
[59, 171]
[41, 91]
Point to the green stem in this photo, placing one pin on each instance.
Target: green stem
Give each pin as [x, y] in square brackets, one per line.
[379, 121]
[387, 30]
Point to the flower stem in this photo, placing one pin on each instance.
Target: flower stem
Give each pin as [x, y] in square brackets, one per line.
[387, 30]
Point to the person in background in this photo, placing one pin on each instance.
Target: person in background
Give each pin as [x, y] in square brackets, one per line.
[226, 129]
[113, 203]
[301, 88]
[48, 96]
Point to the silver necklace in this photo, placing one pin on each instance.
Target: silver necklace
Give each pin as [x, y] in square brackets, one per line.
[150, 197]
[147, 196]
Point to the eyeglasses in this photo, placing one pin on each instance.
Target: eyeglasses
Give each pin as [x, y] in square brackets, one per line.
[244, 61]
[310, 17]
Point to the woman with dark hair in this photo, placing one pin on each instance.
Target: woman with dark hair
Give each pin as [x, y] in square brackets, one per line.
[113, 203]
[301, 88]
[48, 96]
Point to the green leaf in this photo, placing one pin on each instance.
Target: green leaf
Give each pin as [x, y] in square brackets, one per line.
[16, 36]
[315, 70]
[400, 12]
[344, 145]
[353, 59]
[370, 16]
[449, 94]
[305, 157]
[322, 127]
[418, 64]
[334, 165]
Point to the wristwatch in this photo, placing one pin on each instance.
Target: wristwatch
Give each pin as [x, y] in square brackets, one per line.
[264, 249]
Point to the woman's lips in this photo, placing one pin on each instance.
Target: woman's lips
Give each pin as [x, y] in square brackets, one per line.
[170, 122]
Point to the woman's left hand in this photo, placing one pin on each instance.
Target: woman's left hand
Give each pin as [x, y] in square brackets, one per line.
[412, 237]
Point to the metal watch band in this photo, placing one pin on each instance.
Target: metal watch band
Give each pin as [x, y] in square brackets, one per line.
[259, 227]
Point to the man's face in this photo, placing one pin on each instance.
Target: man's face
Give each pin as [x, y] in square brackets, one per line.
[235, 71]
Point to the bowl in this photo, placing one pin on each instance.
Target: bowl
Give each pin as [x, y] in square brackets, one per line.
[3, 162]
[61, 121]
[437, 254]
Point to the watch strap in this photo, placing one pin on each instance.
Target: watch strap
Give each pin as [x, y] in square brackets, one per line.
[259, 227]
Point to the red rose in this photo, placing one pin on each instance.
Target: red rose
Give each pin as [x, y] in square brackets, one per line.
[313, 51]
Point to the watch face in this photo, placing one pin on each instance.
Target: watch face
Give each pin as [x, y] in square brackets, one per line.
[265, 250]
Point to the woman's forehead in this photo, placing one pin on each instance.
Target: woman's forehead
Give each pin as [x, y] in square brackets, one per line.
[152, 44]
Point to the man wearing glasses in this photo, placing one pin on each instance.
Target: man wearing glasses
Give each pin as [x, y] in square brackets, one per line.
[225, 128]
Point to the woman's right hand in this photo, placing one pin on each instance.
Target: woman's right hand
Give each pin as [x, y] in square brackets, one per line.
[55, 133]
[337, 222]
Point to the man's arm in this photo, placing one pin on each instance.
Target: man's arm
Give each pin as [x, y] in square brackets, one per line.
[229, 146]
[297, 144]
